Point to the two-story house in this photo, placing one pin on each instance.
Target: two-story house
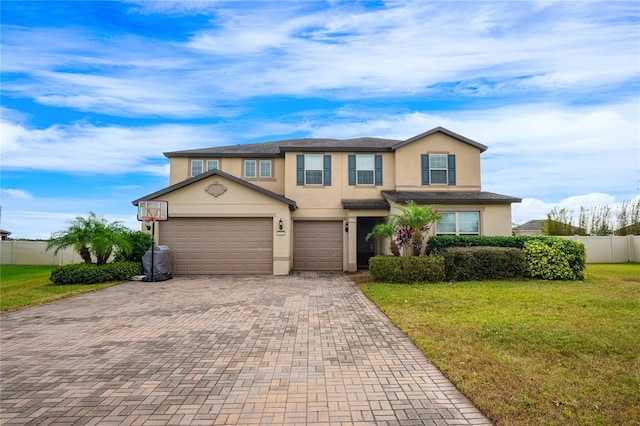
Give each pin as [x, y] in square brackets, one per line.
[307, 204]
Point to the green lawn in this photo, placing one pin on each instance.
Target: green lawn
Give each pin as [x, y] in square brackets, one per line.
[27, 285]
[532, 352]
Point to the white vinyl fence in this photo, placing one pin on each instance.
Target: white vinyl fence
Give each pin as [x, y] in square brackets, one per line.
[35, 253]
[610, 249]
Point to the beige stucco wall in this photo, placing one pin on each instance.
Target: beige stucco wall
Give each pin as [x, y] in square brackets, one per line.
[408, 164]
[237, 201]
[322, 198]
[180, 170]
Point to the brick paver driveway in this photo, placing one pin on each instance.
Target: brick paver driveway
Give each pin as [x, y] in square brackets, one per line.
[301, 349]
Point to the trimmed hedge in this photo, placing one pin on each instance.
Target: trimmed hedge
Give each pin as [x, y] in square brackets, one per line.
[439, 244]
[484, 263]
[82, 273]
[556, 259]
[401, 269]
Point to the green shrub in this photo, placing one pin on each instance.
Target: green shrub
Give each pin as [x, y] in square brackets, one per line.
[440, 243]
[140, 243]
[555, 259]
[401, 269]
[82, 273]
[484, 263]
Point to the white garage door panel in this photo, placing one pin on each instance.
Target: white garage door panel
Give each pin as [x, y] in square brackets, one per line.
[317, 245]
[219, 245]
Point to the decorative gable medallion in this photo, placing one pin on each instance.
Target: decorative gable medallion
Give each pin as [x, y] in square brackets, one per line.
[216, 189]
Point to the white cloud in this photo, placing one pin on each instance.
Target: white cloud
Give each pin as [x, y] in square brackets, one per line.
[349, 52]
[83, 147]
[17, 194]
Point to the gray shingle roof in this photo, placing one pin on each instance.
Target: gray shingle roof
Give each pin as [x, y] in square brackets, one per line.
[449, 197]
[278, 148]
[365, 204]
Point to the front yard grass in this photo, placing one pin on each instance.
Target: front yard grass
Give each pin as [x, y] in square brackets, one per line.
[27, 285]
[531, 352]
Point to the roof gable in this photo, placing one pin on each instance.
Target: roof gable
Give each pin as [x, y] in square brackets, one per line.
[215, 172]
[442, 130]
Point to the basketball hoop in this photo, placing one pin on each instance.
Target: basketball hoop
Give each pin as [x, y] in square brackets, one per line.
[147, 221]
[150, 212]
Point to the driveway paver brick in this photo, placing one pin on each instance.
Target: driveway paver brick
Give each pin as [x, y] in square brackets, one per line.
[308, 348]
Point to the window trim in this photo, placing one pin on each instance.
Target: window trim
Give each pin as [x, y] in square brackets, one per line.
[192, 163]
[439, 169]
[244, 169]
[457, 223]
[372, 169]
[321, 169]
[204, 165]
[260, 163]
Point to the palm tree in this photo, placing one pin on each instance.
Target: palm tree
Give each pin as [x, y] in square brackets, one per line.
[386, 230]
[78, 235]
[108, 236]
[415, 222]
[91, 235]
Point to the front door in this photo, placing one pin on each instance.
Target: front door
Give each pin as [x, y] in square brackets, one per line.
[366, 249]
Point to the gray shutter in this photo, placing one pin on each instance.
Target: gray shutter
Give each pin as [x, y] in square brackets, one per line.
[378, 162]
[451, 165]
[327, 170]
[352, 169]
[425, 169]
[300, 170]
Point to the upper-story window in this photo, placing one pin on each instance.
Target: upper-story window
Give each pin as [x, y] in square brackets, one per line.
[198, 166]
[255, 168]
[365, 169]
[458, 223]
[438, 169]
[313, 169]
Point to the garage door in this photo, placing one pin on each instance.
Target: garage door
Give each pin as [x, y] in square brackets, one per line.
[219, 245]
[317, 245]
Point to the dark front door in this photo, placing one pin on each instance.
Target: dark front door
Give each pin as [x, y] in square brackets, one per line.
[366, 249]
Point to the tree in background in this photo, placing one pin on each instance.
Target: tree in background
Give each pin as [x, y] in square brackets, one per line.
[629, 218]
[595, 221]
[91, 235]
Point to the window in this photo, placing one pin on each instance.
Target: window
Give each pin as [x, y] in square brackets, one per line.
[313, 169]
[364, 169]
[257, 169]
[265, 168]
[458, 223]
[197, 166]
[250, 168]
[438, 169]
[212, 164]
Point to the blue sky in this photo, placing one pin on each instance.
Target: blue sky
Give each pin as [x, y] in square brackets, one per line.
[94, 92]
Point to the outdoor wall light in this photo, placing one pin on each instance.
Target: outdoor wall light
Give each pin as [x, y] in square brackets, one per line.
[280, 225]
[346, 227]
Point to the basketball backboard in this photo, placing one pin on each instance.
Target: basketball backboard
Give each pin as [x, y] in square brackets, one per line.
[153, 210]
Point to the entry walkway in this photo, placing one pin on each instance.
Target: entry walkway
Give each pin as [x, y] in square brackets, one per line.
[302, 349]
